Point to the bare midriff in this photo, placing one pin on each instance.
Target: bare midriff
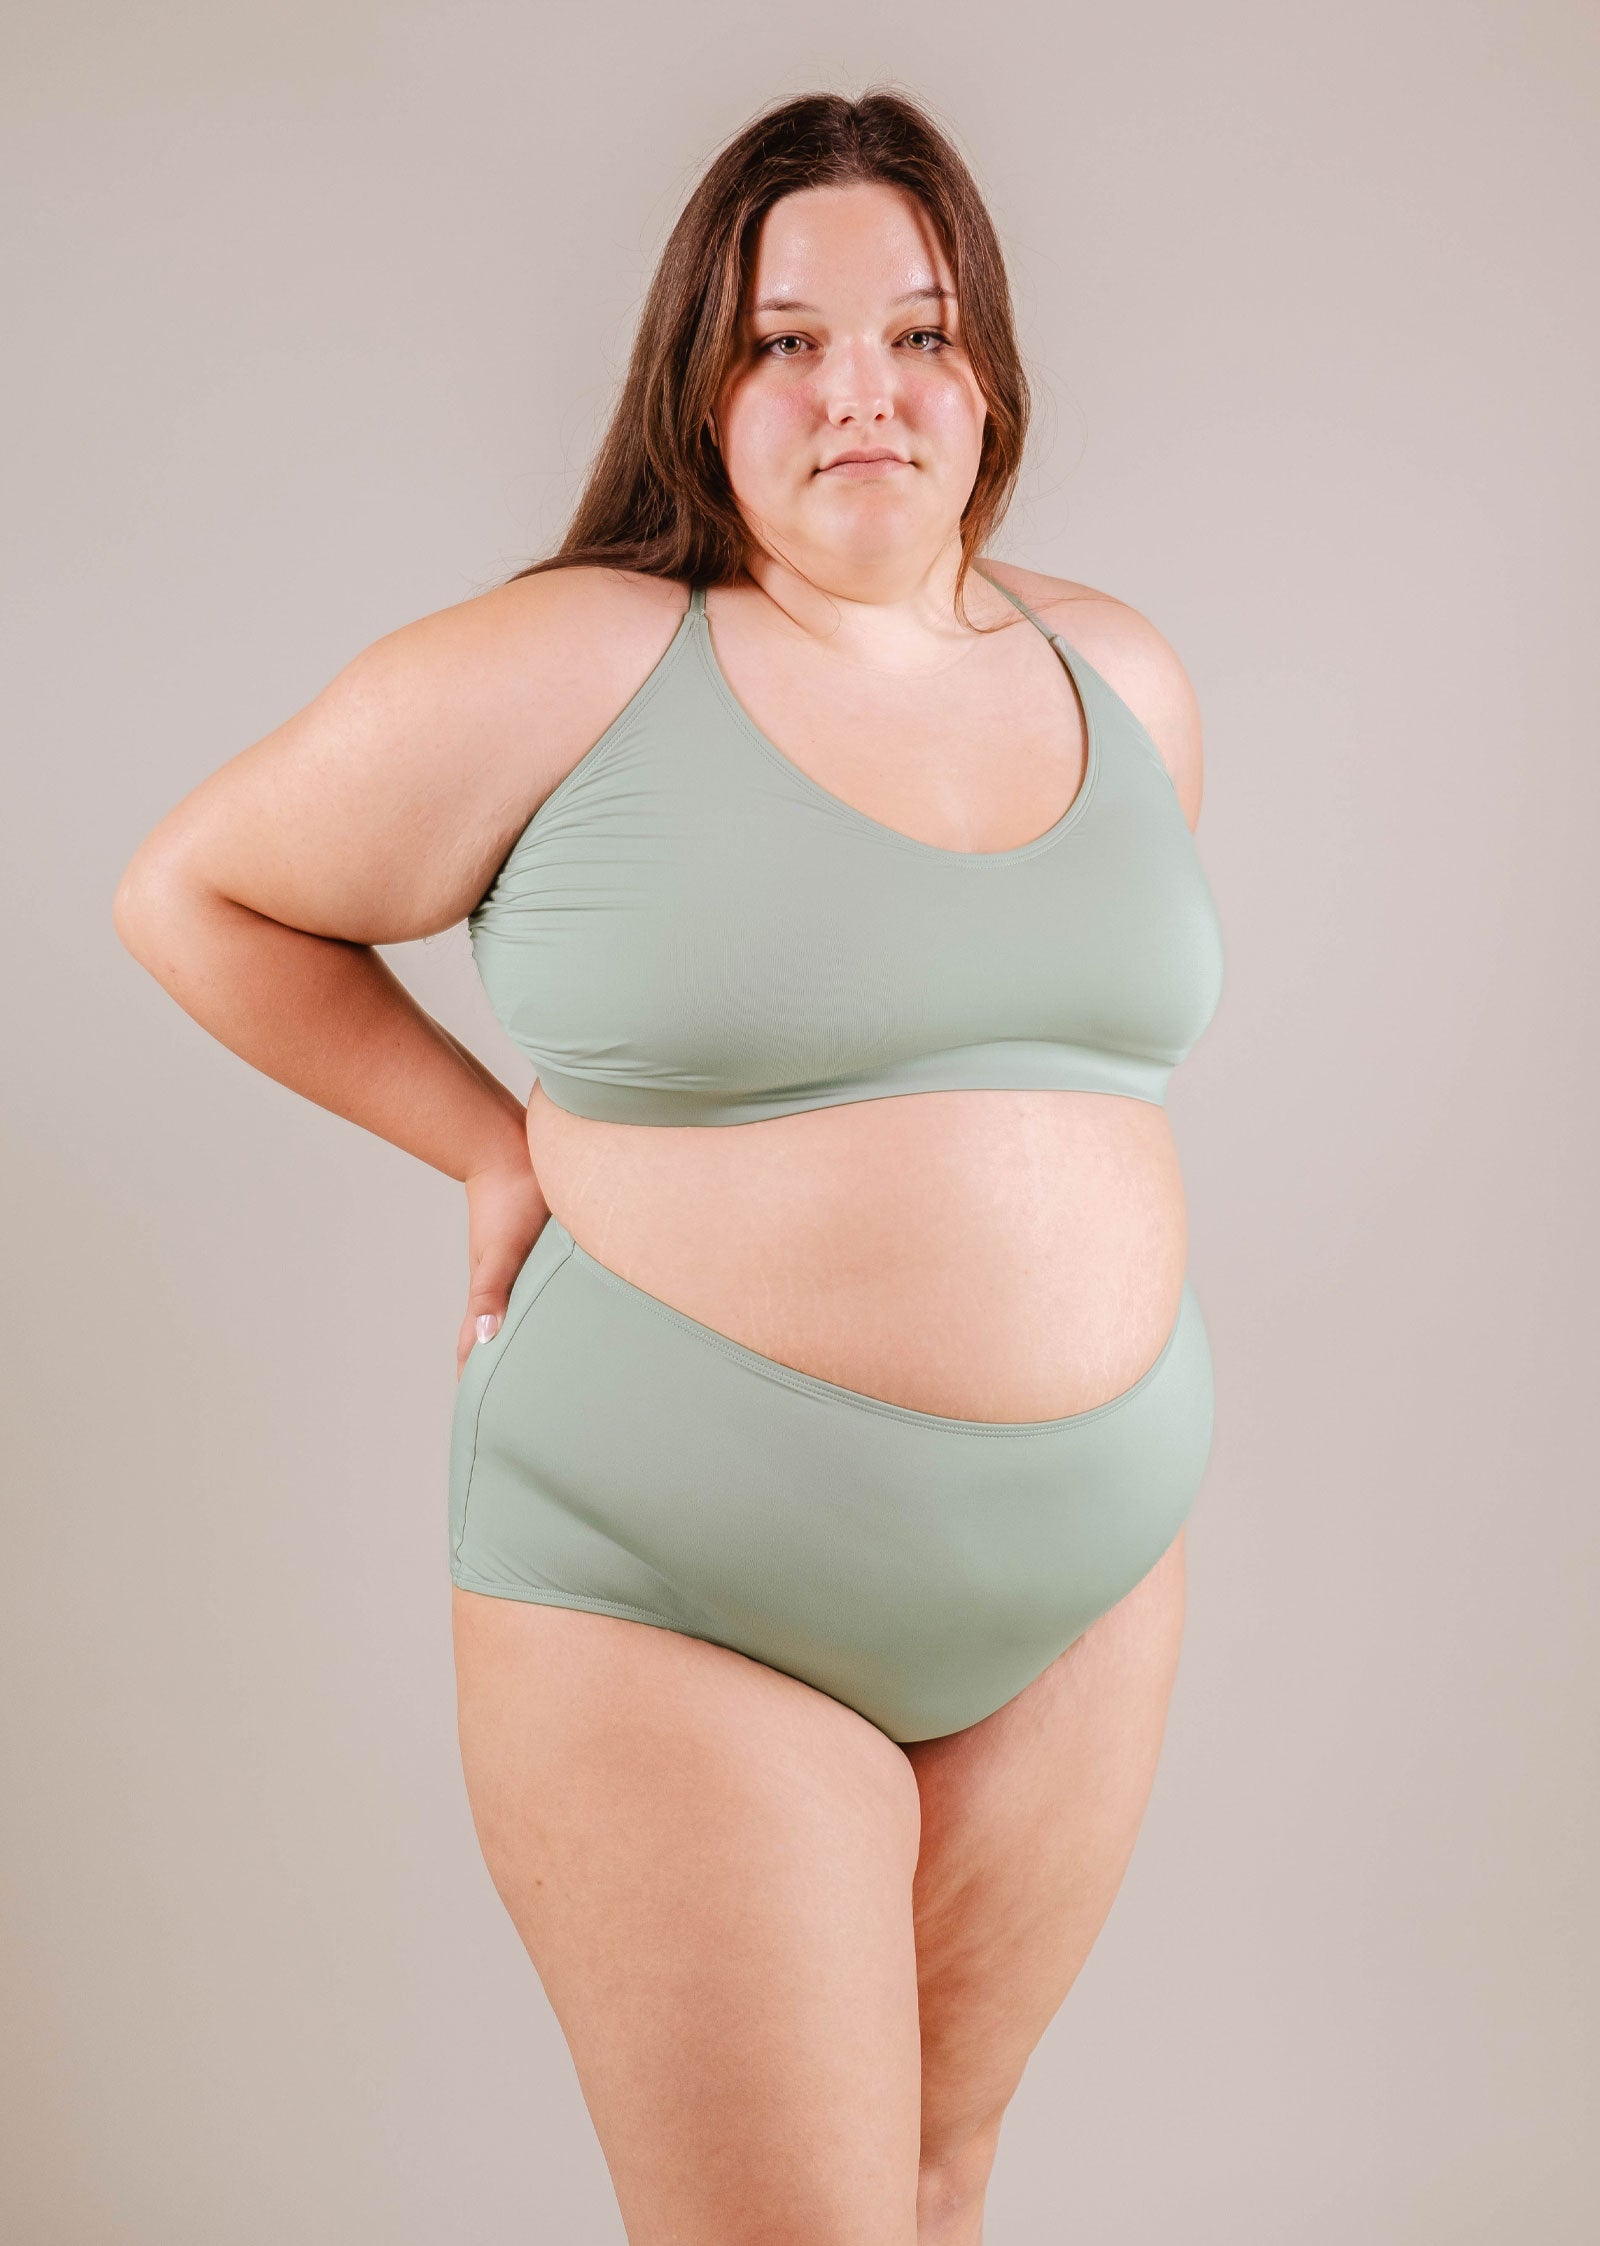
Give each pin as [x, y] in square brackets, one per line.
[995, 1255]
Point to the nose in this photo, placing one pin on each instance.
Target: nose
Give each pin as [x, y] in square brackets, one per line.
[857, 383]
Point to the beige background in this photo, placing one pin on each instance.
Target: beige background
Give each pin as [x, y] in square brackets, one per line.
[315, 311]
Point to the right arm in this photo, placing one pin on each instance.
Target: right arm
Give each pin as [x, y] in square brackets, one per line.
[378, 815]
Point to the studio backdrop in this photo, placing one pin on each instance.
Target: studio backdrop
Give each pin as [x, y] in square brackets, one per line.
[315, 316]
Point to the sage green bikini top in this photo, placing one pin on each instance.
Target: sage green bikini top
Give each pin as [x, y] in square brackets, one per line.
[692, 930]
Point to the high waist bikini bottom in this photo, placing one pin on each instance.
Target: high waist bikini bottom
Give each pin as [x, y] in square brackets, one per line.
[611, 1453]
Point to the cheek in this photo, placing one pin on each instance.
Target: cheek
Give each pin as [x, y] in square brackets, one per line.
[947, 406]
[765, 432]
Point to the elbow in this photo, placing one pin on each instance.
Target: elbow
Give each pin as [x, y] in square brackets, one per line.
[150, 898]
[132, 905]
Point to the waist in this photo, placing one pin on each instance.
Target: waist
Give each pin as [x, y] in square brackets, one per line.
[1007, 1254]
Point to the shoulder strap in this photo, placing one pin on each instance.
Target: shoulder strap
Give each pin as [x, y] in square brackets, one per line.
[697, 600]
[1016, 602]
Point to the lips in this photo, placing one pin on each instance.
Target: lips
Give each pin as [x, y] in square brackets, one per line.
[864, 459]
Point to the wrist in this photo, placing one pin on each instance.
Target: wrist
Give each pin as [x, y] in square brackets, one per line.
[510, 1164]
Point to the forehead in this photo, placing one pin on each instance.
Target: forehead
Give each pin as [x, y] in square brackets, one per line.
[868, 234]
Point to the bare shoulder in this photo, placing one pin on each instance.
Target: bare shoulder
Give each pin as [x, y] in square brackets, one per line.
[380, 812]
[562, 627]
[1132, 657]
[564, 649]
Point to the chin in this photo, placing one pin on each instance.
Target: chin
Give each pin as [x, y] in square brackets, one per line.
[872, 515]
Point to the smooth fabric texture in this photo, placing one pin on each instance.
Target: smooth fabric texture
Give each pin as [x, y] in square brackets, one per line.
[611, 1453]
[691, 931]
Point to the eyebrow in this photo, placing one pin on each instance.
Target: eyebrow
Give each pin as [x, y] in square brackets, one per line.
[793, 304]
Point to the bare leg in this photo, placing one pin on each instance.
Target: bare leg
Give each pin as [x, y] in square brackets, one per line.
[1028, 1822]
[711, 1867]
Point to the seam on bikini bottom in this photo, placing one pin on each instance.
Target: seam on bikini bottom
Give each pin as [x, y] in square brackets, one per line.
[831, 1392]
[538, 1595]
[569, 1250]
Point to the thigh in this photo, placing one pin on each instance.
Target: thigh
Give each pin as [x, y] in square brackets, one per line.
[1028, 1822]
[710, 1864]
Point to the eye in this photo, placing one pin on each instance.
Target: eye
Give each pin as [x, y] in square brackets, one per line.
[938, 335]
[773, 340]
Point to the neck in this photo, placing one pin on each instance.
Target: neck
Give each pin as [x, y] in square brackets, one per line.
[897, 612]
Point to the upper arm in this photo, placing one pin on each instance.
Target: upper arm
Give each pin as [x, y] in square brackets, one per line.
[1131, 656]
[380, 812]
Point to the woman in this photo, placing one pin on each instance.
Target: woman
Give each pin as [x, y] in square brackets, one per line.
[832, 1394]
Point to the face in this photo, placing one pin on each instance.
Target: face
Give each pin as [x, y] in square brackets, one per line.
[851, 342]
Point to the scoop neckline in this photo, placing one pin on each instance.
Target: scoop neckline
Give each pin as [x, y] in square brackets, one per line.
[894, 835]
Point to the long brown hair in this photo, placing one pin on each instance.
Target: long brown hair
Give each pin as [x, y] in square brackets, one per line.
[657, 498]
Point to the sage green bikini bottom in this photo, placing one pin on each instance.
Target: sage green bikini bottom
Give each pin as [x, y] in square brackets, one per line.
[611, 1453]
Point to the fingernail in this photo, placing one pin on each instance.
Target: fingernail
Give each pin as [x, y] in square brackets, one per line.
[488, 1325]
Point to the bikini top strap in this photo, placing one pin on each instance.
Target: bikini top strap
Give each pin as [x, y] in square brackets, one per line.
[697, 600]
[1016, 602]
